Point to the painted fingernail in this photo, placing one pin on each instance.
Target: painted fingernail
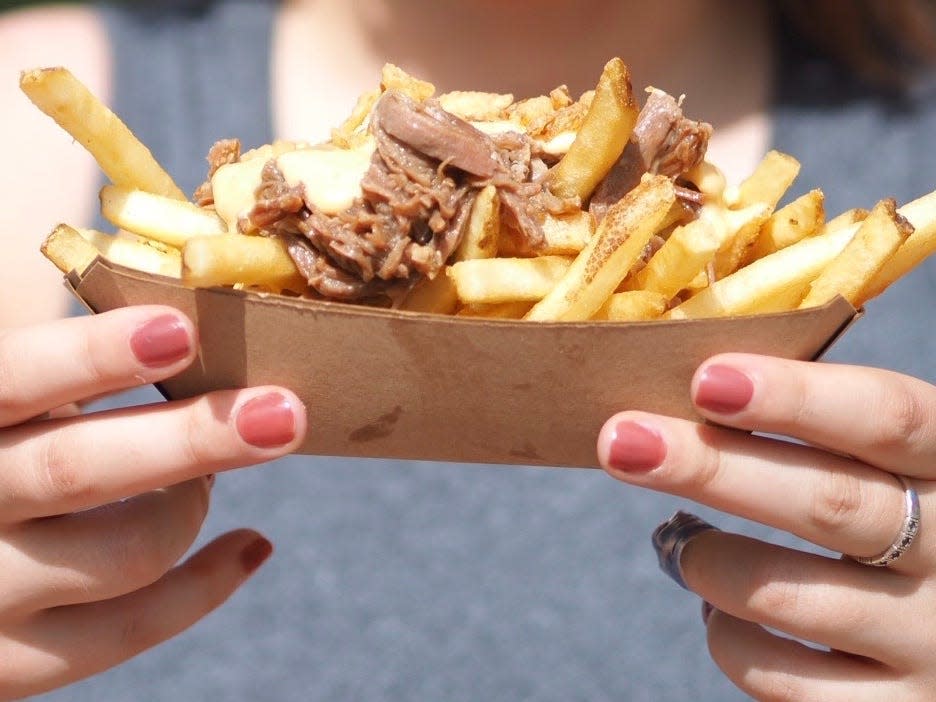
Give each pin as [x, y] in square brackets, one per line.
[267, 421]
[707, 610]
[255, 554]
[724, 390]
[671, 537]
[635, 448]
[161, 341]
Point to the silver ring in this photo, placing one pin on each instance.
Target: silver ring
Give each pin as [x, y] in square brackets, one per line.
[908, 530]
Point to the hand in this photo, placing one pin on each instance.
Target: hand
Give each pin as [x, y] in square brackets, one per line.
[877, 625]
[96, 510]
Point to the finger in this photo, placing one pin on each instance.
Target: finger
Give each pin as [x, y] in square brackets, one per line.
[836, 603]
[62, 645]
[101, 553]
[828, 499]
[49, 365]
[59, 466]
[769, 667]
[882, 418]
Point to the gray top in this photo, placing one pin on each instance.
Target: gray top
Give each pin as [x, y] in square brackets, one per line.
[398, 580]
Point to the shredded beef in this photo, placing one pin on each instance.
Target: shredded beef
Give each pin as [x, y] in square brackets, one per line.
[222, 153]
[664, 142]
[416, 196]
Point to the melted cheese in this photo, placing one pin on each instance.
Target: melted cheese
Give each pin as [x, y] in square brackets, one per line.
[331, 177]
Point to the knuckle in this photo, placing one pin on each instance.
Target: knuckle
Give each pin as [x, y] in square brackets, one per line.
[836, 501]
[904, 418]
[65, 479]
[199, 437]
[774, 592]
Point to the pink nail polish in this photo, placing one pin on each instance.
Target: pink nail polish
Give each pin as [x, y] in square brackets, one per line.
[635, 448]
[724, 390]
[255, 554]
[266, 421]
[161, 341]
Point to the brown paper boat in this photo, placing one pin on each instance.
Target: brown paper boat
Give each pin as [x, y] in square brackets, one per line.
[380, 383]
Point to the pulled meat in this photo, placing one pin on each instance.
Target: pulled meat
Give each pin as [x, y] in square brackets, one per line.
[417, 194]
[664, 142]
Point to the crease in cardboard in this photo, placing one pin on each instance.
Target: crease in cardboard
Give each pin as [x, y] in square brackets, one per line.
[392, 384]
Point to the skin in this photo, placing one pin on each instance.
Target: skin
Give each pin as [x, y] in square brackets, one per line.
[121, 565]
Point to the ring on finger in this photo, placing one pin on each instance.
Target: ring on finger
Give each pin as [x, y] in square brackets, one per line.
[909, 528]
[671, 537]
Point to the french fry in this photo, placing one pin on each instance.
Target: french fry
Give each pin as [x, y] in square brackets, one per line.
[157, 217]
[632, 306]
[496, 280]
[921, 243]
[878, 237]
[134, 252]
[767, 184]
[709, 179]
[232, 259]
[565, 235]
[435, 296]
[482, 229]
[68, 250]
[500, 310]
[122, 157]
[621, 237]
[602, 136]
[783, 275]
[856, 215]
[686, 252]
[735, 247]
[801, 218]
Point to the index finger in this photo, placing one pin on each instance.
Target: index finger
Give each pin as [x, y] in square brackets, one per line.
[52, 364]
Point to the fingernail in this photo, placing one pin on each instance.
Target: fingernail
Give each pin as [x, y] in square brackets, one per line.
[255, 554]
[724, 390]
[671, 537]
[707, 610]
[161, 341]
[635, 448]
[267, 421]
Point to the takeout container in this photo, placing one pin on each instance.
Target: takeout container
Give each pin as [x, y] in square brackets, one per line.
[380, 383]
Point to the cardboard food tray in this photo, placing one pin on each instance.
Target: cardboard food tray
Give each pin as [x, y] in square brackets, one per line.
[381, 383]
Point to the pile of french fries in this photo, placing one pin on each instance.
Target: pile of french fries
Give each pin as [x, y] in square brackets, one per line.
[743, 254]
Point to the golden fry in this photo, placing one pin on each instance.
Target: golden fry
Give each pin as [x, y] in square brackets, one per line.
[756, 288]
[495, 280]
[602, 136]
[921, 243]
[68, 250]
[500, 310]
[848, 218]
[237, 259]
[157, 217]
[122, 157]
[135, 252]
[686, 252]
[482, 229]
[599, 269]
[801, 218]
[632, 306]
[435, 296]
[767, 184]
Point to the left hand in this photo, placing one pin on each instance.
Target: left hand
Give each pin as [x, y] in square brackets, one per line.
[861, 427]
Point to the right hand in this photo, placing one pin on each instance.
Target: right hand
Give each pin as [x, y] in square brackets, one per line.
[96, 510]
